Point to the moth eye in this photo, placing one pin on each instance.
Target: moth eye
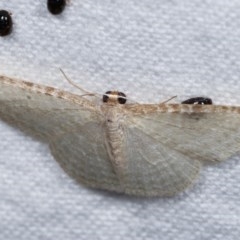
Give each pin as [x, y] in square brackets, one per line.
[56, 6]
[105, 96]
[5, 23]
[198, 100]
[122, 98]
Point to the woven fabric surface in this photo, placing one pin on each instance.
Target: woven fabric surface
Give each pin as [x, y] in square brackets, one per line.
[151, 50]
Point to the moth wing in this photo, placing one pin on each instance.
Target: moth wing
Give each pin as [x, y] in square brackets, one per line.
[164, 150]
[73, 128]
[213, 134]
[43, 111]
[82, 153]
[154, 169]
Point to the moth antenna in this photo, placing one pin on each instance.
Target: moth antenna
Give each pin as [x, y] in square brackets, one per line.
[168, 99]
[76, 85]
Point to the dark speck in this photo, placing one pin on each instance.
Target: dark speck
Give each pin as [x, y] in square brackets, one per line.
[198, 100]
[56, 6]
[5, 23]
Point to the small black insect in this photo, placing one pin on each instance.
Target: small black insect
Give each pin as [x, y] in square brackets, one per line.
[198, 100]
[56, 6]
[5, 23]
[110, 95]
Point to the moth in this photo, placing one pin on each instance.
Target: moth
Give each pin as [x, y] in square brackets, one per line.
[137, 149]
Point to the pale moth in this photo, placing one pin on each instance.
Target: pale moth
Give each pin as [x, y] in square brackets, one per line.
[137, 149]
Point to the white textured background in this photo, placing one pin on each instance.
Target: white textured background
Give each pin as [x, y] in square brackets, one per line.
[151, 50]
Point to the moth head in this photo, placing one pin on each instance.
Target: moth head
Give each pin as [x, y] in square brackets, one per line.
[114, 97]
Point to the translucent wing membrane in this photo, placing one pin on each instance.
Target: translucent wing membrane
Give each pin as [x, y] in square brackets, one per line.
[153, 168]
[213, 135]
[41, 114]
[83, 155]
